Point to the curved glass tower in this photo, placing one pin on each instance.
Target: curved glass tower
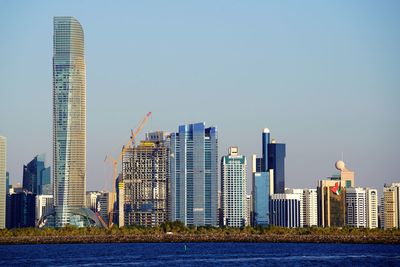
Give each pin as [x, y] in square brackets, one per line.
[69, 119]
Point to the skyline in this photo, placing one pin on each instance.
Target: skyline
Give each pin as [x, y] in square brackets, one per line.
[315, 137]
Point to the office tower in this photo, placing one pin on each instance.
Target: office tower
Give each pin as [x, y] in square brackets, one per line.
[310, 209]
[105, 205]
[7, 182]
[285, 210]
[356, 207]
[22, 209]
[249, 210]
[331, 197]
[371, 201]
[43, 204]
[391, 205]
[92, 199]
[194, 175]
[381, 215]
[262, 184]
[3, 190]
[276, 161]
[69, 126]
[145, 174]
[233, 187]
[36, 177]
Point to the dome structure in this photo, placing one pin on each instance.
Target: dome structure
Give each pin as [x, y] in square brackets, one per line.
[340, 165]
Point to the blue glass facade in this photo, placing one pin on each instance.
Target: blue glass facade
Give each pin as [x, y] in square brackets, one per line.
[285, 211]
[261, 198]
[36, 177]
[276, 161]
[22, 210]
[194, 175]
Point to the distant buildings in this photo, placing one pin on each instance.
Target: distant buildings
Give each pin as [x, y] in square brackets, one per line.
[3, 190]
[276, 162]
[145, 174]
[105, 205]
[286, 210]
[234, 188]
[310, 208]
[36, 177]
[92, 200]
[194, 175]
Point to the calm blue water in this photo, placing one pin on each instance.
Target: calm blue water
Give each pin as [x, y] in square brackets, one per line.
[201, 254]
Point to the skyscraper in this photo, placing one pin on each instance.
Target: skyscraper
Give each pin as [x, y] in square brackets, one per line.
[3, 192]
[69, 125]
[371, 207]
[262, 184]
[233, 187]
[145, 174]
[194, 175]
[36, 177]
[276, 161]
[22, 209]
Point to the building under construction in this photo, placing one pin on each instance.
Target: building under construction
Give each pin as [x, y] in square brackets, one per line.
[145, 174]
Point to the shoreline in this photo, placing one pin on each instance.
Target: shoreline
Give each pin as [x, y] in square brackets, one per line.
[193, 238]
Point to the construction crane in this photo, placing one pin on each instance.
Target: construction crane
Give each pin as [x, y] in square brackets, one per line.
[114, 161]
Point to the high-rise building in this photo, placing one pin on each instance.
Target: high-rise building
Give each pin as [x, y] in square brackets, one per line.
[22, 209]
[69, 126]
[194, 175]
[3, 191]
[286, 210]
[391, 205]
[36, 177]
[371, 202]
[43, 204]
[145, 173]
[276, 161]
[310, 208]
[262, 184]
[331, 197]
[356, 215]
[234, 188]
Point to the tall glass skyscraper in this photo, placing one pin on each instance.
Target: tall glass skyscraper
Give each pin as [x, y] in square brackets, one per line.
[36, 177]
[194, 175]
[276, 161]
[69, 119]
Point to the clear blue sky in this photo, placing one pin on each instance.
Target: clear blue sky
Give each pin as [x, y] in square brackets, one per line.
[324, 76]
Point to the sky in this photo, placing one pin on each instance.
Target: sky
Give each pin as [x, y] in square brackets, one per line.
[323, 76]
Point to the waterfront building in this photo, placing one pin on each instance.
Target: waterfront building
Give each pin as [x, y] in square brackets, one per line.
[234, 188]
[145, 174]
[286, 210]
[43, 204]
[331, 197]
[22, 209]
[3, 190]
[356, 215]
[371, 202]
[69, 127]
[194, 175]
[310, 208]
[391, 205]
[36, 177]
